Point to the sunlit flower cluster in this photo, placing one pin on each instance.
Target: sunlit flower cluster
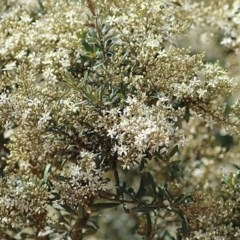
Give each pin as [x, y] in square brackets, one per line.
[140, 128]
[90, 90]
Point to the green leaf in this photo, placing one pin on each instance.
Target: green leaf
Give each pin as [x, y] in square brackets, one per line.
[62, 207]
[82, 34]
[185, 228]
[160, 153]
[142, 164]
[180, 199]
[152, 182]
[173, 152]
[163, 194]
[144, 209]
[100, 206]
[90, 48]
[175, 166]
[142, 187]
[149, 226]
[61, 178]
[187, 114]
[46, 173]
[114, 96]
[116, 175]
[236, 166]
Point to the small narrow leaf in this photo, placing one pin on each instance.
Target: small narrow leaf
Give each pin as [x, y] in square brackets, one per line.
[144, 209]
[187, 114]
[46, 173]
[62, 207]
[142, 187]
[116, 175]
[163, 194]
[236, 166]
[173, 152]
[152, 182]
[175, 166]
[185, 228]
[149, 226]
[100, 206]
[142, 164]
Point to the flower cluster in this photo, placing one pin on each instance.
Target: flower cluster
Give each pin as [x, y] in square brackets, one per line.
[23, 202]
[92, 92]
[140, 128]
[226, 18]
[82, 181]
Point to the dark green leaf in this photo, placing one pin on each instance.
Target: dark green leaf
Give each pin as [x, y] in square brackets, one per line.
[100, 206]
[236, 166]
[163, 194]
[158, 155]
[173, 152]
[187, 114]
[144, 209]
[152, 182]
[114, 96]
[185, 228]
[86, 46]
[63, 207]
[116, 175]
[142, 164]
[61, 178]
[142, 187]
[179, 199]
[90, 48]
[149, 226]
[175, 166]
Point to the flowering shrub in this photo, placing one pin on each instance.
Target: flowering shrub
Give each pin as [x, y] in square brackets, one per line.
[108, 124]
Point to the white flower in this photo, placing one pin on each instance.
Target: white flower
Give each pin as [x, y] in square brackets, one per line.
[5, 220]
[4, 98]
[45, 118]
[75, 170]
[121, 150]
[153, 43]
[26, 19]
[48, 74]
[20, 54]
[111, 20]
[226, 41]
[202, 92]
[111, 133]
[10, 66]
[71, 106]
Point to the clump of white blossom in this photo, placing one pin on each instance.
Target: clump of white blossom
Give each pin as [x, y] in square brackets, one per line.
[93, 91]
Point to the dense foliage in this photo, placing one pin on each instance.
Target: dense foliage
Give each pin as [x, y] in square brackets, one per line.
[115, 124]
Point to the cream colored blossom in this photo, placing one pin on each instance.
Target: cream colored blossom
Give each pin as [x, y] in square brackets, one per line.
[92, 90]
